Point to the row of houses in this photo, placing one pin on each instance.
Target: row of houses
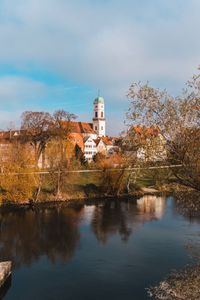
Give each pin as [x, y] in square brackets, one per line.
[152, 144]
[91, 139]
[104, 145]
[82, 135]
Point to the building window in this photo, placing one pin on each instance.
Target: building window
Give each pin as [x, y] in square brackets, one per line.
[102, 114]
[101, 127]
[96, 114]
[95, 127]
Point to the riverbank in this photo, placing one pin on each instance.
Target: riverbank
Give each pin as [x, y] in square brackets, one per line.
[77, 187]
[70, 201]
[183, 285]
[80, 195]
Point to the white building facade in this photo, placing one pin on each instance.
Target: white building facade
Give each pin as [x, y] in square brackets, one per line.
[99, 121]
[90, 149]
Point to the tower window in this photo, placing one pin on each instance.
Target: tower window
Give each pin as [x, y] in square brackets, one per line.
[95, 127]
[102, 114]
[101, 127]
[96, 114]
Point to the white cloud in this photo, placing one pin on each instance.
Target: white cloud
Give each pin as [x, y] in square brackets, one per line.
[18, 89]
[18, 94]
[105, 44]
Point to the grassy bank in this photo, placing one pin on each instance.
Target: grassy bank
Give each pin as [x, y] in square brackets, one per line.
[69, 186]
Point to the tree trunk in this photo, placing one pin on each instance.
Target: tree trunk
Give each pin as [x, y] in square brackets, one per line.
[58, 193]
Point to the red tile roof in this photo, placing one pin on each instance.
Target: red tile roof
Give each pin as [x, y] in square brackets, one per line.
[107, 141]
[97, 141]
[77, 139]
[81, 127]
[76, 127]
[146, 130]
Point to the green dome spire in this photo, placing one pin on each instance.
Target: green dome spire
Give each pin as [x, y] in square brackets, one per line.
[99, 100]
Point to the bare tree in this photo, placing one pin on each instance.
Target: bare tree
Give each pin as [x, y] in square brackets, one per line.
[62, 123]
[39, 128]
[36, 129]
[178, 122]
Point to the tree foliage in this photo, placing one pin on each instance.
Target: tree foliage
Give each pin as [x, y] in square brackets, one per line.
[15, 182]
[178, 122]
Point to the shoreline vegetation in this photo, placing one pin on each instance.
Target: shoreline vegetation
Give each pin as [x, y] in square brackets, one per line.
[57, 187]
[183, 285]
[90, 193]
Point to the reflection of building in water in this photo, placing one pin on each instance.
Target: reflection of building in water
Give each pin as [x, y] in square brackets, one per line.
[151, 205]
[88, 213]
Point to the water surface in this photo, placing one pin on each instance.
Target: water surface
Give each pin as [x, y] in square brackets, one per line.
[111, 250]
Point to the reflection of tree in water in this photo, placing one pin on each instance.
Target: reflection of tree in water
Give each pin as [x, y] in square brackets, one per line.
[188, 204]
[115, 217]
[25, 236]
[109, 219]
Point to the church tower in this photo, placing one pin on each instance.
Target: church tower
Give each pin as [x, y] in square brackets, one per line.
[99, 121]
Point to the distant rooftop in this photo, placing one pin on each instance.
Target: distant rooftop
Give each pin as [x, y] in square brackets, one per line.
[81, 127]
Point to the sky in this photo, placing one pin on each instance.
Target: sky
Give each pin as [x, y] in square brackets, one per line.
[57, 54]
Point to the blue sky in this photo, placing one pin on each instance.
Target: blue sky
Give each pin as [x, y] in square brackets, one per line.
[57, 53]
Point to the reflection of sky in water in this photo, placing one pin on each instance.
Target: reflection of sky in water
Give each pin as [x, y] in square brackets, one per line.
[111, 250]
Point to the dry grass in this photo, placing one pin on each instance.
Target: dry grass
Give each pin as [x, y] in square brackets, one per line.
[183, 285]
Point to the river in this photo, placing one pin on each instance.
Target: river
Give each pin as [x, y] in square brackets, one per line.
[110, 250]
